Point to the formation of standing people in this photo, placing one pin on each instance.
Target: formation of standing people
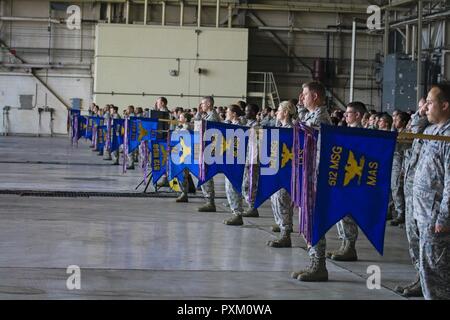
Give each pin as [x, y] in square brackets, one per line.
[420, 183]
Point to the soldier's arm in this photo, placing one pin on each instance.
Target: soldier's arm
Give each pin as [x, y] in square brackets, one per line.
[198, 116]
[419, 122]
[443, 219]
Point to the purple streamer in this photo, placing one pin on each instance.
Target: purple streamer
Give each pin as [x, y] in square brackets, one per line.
[202, 173]
[253, 137]
[125, 147]
[108, 135]
[295, 183]
[309, 181]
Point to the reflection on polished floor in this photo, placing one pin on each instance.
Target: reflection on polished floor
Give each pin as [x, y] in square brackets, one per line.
[152, 248]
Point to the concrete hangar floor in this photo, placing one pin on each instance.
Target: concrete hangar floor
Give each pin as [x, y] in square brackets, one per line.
[64, 206]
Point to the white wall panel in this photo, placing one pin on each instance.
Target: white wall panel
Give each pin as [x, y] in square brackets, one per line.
[137, 59]
[27, 121]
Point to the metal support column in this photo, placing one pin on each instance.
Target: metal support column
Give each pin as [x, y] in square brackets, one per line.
[407, 39]
[230, 15]
[199, 13]
[419, 50]
[217, 13]
[127, 17]
[163, 13]
[386, 33]
[109, 12]
[352, 68]
[181, 13]
[145, 11]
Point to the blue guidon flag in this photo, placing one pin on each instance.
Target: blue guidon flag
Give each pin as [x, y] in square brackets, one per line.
[159, 156]
[275, 147]
[102, 132]
[184, 153]
[79, 124]
[224, 152]
[354, 179]
[117, 134]
[140, 129]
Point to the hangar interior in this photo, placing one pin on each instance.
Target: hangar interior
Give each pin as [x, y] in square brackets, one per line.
[268, 47]
[129, 52]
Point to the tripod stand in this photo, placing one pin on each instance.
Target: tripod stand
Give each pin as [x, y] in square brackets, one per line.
[149, 177]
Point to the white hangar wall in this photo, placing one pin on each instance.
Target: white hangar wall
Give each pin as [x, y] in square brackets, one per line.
[135, 64]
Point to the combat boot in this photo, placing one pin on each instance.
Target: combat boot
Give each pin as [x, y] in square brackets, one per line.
[275, 228]
[317, 271]
[163, 183]
[283, 242]
[348, 254]
[295, 274]
[397, 221]
[413, 290]
[191, 185]
[400, 289]
[251, 213]
[235, 220]
[329, 254]
[209, 207]
[182, 198]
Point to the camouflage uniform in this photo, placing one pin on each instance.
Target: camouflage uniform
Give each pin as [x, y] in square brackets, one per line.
[208, 187]
[431, 204]
[106, 148]
[418, 125]
[266, 121]
[314, 119]
[397, 179]
[282, 207]
[301, 113]
[234, 198]
[250, 199]
[132, 155]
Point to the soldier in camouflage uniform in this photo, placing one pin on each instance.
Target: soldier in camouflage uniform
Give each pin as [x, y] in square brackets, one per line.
[108, 119]
[431, 202]
[207, 112]
[313, 98]
[264, 117]
[302, 111]
[282, 207]
[347, 228]
[251, 111]
[234, 198]
[418, 124]
[397, 178]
